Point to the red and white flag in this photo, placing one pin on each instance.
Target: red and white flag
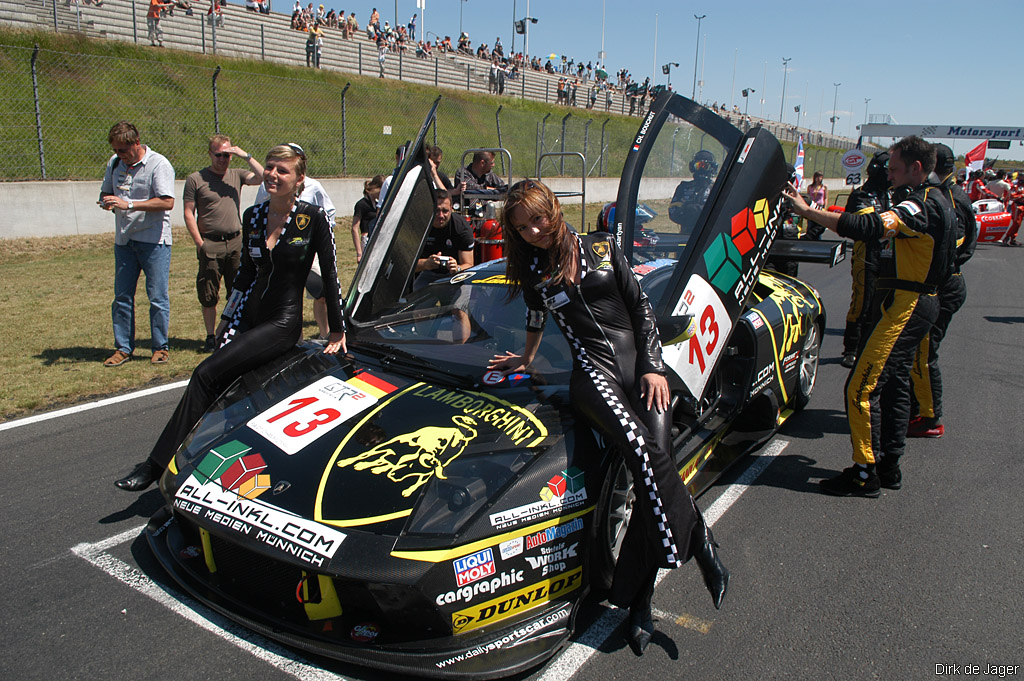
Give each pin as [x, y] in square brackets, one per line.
[975, 158]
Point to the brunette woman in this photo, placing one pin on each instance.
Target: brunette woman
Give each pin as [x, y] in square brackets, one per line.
[263, 317]
[364, 214]
[618, 387]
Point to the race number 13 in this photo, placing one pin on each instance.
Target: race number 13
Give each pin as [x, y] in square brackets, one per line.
[310, 413]
[694, 358]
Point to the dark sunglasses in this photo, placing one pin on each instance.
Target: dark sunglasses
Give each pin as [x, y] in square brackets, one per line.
[221, 154]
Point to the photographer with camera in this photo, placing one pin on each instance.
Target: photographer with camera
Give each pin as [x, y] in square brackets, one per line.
[449, 246]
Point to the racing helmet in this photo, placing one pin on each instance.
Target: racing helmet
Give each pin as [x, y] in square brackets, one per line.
[878, 169]
[703, 163]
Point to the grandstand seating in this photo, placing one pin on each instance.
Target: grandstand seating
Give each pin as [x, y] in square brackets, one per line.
[270, 37]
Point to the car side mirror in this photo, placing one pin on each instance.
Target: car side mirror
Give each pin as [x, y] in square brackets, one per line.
[676, 329]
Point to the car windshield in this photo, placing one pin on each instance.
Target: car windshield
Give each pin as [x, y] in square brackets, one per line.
[459, 325]
[678, 179]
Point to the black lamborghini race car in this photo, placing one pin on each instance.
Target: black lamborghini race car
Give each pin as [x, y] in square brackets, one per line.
[405, 509]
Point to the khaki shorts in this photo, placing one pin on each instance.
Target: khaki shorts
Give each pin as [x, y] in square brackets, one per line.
[217, 259]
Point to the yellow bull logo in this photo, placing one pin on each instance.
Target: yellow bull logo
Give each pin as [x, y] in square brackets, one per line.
[418, 455]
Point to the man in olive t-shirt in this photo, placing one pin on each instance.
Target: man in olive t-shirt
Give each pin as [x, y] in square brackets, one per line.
[212, 198]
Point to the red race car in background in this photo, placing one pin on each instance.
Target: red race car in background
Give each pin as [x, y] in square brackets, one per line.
[993, 219]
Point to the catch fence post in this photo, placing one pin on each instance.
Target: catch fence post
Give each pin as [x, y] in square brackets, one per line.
[135, 24]
[344, 137]
[561, 159]
[39, 118]
[497, 120]
[601, 170]
[263, 44]
[216, 111]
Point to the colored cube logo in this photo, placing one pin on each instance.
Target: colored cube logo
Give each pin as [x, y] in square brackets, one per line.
[761, 213]
[557, 485]
[573, 479]
[218, 460]
[724, 263]
[744, 231]
[242, 470]
[254, 486]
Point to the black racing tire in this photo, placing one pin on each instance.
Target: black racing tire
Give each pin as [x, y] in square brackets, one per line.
[614, 508]
[808, 369]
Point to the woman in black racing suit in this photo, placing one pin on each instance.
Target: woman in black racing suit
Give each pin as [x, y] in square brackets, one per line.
[263, 317]
[585, 283]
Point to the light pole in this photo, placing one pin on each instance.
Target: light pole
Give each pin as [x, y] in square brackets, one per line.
[866, 100]
[461, 3]
[747, 91]
[667, 70]
[835, 101]
[525, 22]
[696, 54]
[785, 72]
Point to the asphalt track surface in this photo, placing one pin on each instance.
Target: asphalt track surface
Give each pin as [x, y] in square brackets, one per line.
[822, 587]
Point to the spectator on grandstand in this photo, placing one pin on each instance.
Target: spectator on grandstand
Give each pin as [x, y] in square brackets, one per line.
[492, 76]
[314, 45]
[498, 49]
[351, 26]
[464, 44]
[374, 23]
[382, 53]
[412, 28]
[364, 214]
[572, 91]
[479, 178]
[264, 7]
[251, 6]
[156, 35]
[446, 44]
[215, 15]
[502, 75]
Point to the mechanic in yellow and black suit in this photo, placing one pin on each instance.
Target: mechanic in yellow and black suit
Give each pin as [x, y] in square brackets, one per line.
[918, 239]
[263, 317]
[870, 197]
[618, 387]
[926, 419]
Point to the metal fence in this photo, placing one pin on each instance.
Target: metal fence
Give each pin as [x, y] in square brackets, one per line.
[58, 106]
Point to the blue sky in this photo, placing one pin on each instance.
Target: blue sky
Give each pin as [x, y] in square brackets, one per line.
[912, 59]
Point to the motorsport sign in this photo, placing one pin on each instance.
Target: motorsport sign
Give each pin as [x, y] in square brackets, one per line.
[963, 132]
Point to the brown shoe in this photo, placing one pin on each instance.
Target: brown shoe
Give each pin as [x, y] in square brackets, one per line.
[116, 359]
[160, 357]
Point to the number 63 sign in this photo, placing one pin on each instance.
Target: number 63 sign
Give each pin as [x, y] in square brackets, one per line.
[695, 357]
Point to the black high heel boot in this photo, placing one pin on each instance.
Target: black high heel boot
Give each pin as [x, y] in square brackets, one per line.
[641, 620]
[716, 577]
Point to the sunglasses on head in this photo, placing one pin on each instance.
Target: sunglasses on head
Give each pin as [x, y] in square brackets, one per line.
[522, 186]
[297, 149]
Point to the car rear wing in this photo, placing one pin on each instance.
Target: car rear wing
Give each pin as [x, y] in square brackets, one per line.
[829, 253]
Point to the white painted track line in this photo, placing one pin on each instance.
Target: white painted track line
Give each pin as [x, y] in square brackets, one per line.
[90, 405]
[195, 612]
[576, 655]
